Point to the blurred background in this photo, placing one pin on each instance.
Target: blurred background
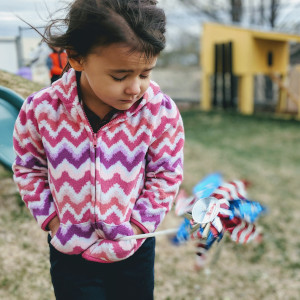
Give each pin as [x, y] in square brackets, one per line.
[21, 52]
[241, 118]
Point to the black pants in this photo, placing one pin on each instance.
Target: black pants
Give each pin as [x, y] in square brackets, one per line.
[75, 278]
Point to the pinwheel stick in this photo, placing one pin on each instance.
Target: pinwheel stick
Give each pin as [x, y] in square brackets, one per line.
[147, 235]
[162, 232]
[206, 231]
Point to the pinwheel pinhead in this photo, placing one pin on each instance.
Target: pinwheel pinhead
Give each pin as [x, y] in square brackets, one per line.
[205, 210]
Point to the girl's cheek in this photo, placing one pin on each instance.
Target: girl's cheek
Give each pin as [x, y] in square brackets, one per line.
[145, 87]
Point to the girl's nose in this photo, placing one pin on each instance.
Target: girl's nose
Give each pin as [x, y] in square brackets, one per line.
[134, 87]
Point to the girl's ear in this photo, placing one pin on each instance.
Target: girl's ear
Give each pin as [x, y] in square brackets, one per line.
[75, 61]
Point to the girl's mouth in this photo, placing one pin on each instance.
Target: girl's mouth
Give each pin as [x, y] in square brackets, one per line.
[127, 101]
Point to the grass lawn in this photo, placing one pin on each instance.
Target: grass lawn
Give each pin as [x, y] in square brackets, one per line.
[261, 149]
[265, 151]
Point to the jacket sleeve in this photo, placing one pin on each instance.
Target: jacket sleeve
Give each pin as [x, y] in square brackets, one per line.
[163, 174]
[30, 166]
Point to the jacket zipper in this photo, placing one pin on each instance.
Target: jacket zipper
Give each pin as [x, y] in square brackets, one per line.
[95, 147]
[95, 142]
[95, 180]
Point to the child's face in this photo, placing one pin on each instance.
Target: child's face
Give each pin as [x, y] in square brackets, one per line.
[112, 77]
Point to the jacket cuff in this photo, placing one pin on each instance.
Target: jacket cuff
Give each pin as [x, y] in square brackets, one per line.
[47, 221]
[138, 224]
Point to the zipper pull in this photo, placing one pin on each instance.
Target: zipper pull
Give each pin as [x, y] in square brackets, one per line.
[95, 140]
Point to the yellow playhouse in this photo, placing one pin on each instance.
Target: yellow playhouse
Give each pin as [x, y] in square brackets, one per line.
[251, 52]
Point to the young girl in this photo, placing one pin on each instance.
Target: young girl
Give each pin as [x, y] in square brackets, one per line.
[100, 152]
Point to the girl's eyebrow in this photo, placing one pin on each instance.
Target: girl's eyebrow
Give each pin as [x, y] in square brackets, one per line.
[129, 71]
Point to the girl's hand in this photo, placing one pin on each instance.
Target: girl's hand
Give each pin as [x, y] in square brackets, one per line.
[54, 225]
[136, 229]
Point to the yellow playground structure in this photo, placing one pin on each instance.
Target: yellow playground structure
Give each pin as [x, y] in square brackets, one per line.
[245, 53]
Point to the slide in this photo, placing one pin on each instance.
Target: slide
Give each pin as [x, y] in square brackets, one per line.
[10, 104]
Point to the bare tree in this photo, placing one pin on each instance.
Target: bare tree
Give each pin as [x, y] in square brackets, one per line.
[274, 12]
[236, 10]
[262, 12]
[212, 8]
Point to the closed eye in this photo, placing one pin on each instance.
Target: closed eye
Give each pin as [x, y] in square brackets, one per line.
[144, 76]
[118, 79]
[123, 78]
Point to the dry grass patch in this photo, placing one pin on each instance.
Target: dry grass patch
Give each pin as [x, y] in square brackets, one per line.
[18, 84]
[23, 249]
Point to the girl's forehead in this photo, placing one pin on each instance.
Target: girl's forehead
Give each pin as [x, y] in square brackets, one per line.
[118, 54]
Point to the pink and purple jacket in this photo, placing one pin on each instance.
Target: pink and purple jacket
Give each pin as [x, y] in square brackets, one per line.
[129, 171]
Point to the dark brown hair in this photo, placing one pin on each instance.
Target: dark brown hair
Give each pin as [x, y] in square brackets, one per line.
[139, 24]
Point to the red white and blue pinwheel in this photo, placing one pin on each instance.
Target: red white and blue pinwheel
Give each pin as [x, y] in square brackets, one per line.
[215, 208]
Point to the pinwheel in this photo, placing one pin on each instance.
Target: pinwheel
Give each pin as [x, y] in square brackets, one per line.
[224, 208]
